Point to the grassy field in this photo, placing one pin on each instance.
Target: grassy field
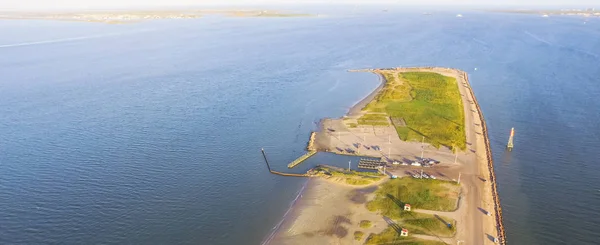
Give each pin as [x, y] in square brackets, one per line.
[427, 224]
[391, 236]
[419, 193]
[344, 176]
[373, 119]
[428, 102]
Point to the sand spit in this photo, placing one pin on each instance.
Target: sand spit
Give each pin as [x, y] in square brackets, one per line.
[328, 213]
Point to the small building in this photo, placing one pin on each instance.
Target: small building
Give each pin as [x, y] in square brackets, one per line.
[404, 232]
[407, 207]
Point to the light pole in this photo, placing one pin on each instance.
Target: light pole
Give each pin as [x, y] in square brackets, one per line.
[349, 165]
[455, 154]
[422, 147]
[458, 178]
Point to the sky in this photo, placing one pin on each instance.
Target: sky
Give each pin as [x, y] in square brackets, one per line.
[91, 4]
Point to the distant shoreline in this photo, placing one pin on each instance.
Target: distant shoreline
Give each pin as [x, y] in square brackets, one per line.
[132, 16]
[548, 12]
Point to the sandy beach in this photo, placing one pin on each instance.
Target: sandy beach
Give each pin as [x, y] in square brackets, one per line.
[328, 213]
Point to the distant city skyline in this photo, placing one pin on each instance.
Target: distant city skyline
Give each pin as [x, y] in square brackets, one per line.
[91, 4]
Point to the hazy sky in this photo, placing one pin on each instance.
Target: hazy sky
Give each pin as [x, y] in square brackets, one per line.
[77, 4]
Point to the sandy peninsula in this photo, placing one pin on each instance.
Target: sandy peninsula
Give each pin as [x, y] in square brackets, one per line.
[329, 212]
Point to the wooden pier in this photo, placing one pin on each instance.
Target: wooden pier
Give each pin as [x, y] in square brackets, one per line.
[301, 159]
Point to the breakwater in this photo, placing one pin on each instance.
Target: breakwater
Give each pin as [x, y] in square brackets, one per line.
[311, 142]
[280, 173]
[488, 153]
[289, 174]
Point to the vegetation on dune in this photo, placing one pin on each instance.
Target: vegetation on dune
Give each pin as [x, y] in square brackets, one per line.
[358, 235]
[355, 181]
[391, 236]
[419, 193]
[349, 177]
[429, 194]
[365, 224]
[429, 103]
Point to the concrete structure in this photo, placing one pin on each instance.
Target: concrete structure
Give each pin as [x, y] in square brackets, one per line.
[509, 146]
[407, 207]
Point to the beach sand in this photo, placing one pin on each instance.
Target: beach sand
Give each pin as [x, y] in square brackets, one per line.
[329, 213]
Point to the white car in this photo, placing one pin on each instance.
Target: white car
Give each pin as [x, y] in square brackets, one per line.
[433, 177]
[416, 164]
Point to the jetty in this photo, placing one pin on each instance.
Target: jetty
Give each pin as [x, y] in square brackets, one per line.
[280, 173]
[289, 174]
[311, 142]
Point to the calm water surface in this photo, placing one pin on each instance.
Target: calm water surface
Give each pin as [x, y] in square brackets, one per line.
[151, 132]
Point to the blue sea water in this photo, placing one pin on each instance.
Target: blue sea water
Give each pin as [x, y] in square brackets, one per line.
[150, 133]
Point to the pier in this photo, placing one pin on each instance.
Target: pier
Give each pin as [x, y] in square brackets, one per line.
[510, 144]
[301, 159]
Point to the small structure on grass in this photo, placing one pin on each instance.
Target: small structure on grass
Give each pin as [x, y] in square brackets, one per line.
[407, 207]
[404, 232]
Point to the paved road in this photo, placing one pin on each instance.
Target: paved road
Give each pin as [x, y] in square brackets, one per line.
[470, 179]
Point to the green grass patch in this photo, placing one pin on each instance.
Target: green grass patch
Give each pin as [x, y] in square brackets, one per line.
[349, 177]
[365, 224]
[419, 193]
[391, 236]
[373, 119]
[358, 235]
[427, 224]
[429, 103]
[403, 132]
[355, 181]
